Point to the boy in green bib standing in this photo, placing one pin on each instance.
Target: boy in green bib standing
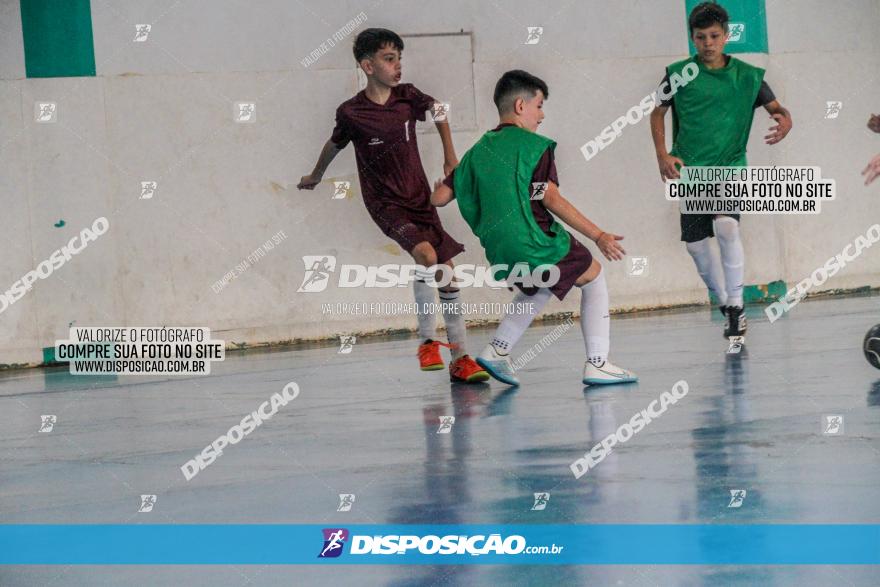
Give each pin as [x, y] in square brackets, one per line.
[507, 187]
[712, 118]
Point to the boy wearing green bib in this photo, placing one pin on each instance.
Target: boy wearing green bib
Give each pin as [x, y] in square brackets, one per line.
[506, 186]
[712, 118]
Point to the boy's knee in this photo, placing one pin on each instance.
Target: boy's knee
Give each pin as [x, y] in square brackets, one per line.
[590, 274]
[697, 247]
[726, 227]
[424, 254]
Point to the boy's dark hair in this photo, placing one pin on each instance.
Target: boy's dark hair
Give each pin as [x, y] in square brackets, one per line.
[371, 40]
[513, 84]
[705, 15]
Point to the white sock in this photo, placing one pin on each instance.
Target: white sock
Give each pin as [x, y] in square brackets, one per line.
[514, 325]
[424, 294]
[732, 258]
[709, 267]
[596, 319]
[456, 332]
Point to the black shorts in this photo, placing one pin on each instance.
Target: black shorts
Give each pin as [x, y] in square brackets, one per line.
[696, 227]
[571, 266]
[408, 229]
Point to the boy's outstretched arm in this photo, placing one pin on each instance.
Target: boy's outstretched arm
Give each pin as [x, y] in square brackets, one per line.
[783, 120]
[665, 161]
[328, 153]
[606, 241]
[450, 161]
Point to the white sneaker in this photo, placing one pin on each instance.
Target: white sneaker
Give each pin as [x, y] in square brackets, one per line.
[498, 366]
[607, 374]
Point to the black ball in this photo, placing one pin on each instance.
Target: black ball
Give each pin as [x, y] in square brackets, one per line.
[871, 346]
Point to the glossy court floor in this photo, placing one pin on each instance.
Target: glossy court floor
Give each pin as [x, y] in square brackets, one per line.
[366, 423]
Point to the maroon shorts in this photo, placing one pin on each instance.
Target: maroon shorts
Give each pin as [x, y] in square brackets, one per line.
[408, 230]
[571, 267]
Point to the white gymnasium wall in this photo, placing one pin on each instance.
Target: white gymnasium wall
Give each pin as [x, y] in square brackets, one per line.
[162, 110]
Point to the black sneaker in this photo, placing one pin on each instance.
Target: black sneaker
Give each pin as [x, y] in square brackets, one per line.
[723, 310]
[736, 322]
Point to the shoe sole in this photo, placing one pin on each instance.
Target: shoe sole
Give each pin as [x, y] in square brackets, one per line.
[475, 378]
[592, 381]
[436, 367]
[485, 365]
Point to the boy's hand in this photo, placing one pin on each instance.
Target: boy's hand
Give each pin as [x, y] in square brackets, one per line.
[667, 166]
[441, 195]
[872, 171]
[308, 182]
[778, 132]
[609, 246]
[874, 123]
[448, 166]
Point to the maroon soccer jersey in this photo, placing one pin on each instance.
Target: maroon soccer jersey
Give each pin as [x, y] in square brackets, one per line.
[393, 183]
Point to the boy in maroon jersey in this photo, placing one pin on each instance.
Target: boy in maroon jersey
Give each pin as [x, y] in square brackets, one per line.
[381, 121]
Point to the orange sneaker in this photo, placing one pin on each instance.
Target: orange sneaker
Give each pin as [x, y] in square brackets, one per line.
[465, 369]
[429, 355]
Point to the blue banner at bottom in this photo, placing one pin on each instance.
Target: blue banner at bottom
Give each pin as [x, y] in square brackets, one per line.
[606, 544]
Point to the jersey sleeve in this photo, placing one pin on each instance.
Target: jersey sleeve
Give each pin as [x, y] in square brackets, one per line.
[449, 181]
[341, 135]
[421, 102]
[765, 95]
[545, 170]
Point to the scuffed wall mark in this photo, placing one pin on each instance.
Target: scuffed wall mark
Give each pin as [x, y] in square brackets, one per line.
[392, 249]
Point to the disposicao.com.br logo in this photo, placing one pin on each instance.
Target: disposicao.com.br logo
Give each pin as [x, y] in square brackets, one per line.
[334, 540]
